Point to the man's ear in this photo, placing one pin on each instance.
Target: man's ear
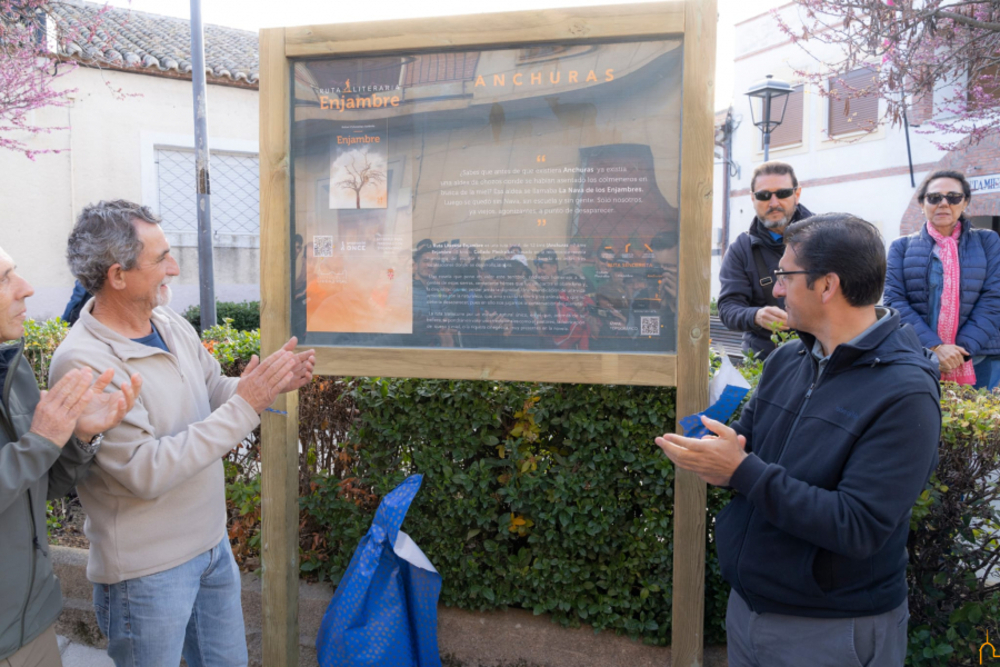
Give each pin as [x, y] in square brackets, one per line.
[831, 286]
[116, 277]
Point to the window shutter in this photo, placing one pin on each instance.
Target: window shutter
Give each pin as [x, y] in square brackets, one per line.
[849, 114]
[989, 80]
[789, 132]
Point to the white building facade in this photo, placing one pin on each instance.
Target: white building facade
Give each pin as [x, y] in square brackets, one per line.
[841, 164]
[128, 133]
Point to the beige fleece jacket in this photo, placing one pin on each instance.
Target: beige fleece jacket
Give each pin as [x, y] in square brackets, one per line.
[156, 497]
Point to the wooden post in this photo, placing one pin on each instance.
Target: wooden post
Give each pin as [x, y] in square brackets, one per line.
[279, 432]
[687, 642]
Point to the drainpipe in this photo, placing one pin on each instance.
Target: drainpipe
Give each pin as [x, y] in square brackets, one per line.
[726, 143]
[906, 127]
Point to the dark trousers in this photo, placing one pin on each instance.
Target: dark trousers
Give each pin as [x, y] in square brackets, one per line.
[776, 640]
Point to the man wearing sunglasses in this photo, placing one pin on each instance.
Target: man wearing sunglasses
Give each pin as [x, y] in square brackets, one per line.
[747, 302]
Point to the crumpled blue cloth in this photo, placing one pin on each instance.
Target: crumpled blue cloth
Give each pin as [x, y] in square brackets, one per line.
[384, 613]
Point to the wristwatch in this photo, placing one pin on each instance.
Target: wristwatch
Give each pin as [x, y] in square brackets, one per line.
[94, 444]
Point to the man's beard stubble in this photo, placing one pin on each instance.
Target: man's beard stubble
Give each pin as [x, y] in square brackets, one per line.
[777, 224]
[163, 299]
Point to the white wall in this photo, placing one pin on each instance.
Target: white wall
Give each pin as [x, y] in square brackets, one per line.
[106, 155]
[880, 199]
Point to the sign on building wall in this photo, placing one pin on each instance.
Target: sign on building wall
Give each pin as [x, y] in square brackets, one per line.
[982, 185]
[490, 199]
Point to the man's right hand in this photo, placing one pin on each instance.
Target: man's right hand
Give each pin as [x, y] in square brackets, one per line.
[60, 407]
[766, 316]
[262, 381]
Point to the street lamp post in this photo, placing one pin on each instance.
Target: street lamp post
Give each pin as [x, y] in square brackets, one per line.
[770, 92]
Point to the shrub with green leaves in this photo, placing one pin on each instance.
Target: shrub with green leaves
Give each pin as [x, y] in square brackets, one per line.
[40, 342]
[954, 541]
[231, 346]
[547, 497]
[244, 315]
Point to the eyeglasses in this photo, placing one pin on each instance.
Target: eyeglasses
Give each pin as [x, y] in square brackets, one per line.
[953, 198]
[779, 275]
[765, 195]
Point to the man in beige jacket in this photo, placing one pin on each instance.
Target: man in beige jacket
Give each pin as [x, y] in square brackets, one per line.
[165, 582]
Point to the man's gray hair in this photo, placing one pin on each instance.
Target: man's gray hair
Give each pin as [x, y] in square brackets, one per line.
[104, 236]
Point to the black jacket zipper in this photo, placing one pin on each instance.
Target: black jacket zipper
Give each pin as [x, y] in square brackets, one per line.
[791, 431]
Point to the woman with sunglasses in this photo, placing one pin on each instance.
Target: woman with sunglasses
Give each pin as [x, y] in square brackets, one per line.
[945, 281]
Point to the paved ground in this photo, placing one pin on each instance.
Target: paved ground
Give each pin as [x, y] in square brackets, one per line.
[75, 654]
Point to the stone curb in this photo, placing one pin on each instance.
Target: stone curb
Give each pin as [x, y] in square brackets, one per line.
[469, 639]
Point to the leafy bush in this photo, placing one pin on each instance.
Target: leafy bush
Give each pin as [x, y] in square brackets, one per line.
[40, 342]
[955, 528]
[245, 315]
[548, 497]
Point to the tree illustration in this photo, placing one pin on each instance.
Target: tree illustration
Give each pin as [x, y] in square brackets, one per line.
[359, 177]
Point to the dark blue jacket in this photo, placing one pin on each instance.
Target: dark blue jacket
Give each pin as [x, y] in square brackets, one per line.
[819, 523]
[741, 294]
[907, 287]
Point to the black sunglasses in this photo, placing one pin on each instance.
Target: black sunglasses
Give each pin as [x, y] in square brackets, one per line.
[953, 198]
[783, 193]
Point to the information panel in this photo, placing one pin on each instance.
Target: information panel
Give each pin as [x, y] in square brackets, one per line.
[510, 199]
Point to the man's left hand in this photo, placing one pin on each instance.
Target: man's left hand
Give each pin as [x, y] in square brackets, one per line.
[106, 410]
[713, 458]
[305, 362]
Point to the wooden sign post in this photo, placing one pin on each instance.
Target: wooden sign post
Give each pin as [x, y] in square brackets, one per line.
[521, 196]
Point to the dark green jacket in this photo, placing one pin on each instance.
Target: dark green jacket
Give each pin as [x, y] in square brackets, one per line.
[32, 470]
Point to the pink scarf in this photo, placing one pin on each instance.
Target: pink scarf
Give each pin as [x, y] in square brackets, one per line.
[951, 300]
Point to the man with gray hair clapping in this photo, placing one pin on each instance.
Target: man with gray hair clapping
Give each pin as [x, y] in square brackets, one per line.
[165, 581]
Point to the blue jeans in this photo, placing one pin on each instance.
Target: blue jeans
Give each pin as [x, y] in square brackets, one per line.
[191, 610]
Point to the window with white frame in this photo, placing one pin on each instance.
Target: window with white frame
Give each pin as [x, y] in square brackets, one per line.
[235, 189]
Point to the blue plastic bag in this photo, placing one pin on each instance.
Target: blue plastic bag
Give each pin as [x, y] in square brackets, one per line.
[384, 612]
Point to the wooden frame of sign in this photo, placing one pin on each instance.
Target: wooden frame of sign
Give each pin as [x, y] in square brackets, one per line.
[695, 20]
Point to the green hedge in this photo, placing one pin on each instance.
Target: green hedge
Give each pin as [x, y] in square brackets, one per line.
[552, 498]
[244, 316]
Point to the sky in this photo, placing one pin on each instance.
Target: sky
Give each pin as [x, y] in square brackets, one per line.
[256, 14]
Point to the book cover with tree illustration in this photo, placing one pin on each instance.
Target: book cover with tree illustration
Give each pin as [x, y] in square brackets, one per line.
[359, 165]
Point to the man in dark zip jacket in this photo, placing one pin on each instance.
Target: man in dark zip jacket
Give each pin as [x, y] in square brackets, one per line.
[827, 460]
[47, 441]
[746, 299]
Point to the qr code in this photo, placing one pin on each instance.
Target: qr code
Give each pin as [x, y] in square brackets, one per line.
[322, 246]
[649, 326]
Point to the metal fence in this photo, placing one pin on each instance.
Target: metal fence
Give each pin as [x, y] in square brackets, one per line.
[235, 192]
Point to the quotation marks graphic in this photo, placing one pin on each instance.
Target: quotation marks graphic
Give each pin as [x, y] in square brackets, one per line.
[540, 158]
[541, 222]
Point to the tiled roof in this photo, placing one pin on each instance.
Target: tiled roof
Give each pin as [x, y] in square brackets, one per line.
[127, 39]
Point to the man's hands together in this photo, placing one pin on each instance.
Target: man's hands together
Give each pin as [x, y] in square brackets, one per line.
[262, 381]
[713, 458]
[76, 405]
